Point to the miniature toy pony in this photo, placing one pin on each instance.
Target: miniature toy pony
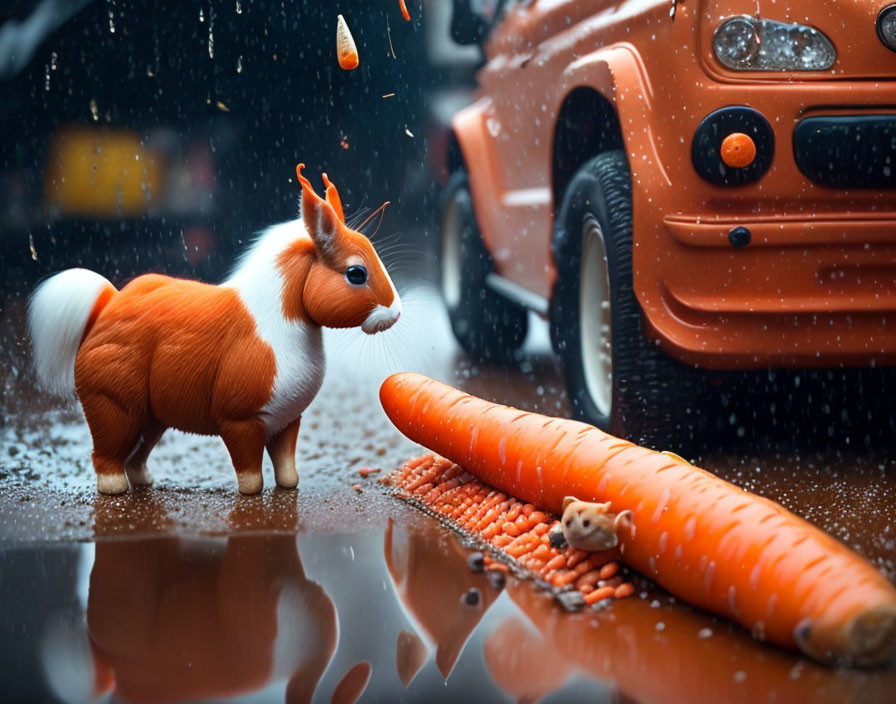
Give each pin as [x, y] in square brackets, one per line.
[588, 525]
[242, 359]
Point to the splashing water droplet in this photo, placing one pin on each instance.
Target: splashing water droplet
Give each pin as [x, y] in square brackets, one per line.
[211, 32]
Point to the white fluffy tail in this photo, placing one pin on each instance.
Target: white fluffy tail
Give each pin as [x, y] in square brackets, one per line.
[57, 318]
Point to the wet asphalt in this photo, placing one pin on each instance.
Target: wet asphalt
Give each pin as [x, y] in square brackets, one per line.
[189, 591]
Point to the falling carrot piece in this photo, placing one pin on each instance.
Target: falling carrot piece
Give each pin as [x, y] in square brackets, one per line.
[346, 51]
[404, 10]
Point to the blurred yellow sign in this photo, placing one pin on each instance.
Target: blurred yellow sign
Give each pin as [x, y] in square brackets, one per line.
[102, 172]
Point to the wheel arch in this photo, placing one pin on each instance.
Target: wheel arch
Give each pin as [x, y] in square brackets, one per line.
[587, 125]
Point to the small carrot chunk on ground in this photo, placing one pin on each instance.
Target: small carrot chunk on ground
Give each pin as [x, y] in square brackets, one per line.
[556, 562]
[609, 570]
[511, 529]
[623, 590]
[599, 594]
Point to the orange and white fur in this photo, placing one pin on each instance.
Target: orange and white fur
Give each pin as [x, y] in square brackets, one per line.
[242, 359]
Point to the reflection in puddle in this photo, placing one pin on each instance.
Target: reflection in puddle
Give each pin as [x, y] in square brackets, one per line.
[431, 578]
[171, 619]
[270, 613]
[655, 652]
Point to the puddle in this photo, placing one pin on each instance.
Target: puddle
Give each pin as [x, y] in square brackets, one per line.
[280, 615]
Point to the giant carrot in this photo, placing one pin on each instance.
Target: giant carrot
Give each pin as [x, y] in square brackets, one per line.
[702, 538]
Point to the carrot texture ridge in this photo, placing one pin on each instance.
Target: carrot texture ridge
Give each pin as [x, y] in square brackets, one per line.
[703, 539]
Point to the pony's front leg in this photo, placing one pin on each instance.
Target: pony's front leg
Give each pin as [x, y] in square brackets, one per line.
[282, 449]
[245, 442]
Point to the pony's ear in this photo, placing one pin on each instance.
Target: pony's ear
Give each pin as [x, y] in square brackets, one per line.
[321, 220]
[332, 196]
[567, 500]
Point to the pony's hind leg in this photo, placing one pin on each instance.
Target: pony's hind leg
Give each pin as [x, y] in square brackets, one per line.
[245, 441]
[115, 434]
[282, 449]
[135, 467]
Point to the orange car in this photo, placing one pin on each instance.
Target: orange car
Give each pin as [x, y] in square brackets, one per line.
[677, 186]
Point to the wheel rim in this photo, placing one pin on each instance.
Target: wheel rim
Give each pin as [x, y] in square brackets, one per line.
[595, 327]
[452, 231]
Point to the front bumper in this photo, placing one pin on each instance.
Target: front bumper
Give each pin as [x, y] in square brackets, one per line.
[803, 292]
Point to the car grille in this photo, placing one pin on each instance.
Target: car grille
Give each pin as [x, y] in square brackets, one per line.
[847, 151]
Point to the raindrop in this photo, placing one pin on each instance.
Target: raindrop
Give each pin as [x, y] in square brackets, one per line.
[211, 32]
[239, 64]
[239, 8]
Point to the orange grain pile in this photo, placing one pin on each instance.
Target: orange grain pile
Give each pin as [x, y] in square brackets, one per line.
[516, 529]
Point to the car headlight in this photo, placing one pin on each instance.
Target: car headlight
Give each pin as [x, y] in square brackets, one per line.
[886, 27]
[747, 43]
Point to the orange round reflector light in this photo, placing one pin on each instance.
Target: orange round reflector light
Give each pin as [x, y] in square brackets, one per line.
[738, 150]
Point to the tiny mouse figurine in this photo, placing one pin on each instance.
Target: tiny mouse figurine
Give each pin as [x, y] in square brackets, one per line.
[590, 526]
[242, 359]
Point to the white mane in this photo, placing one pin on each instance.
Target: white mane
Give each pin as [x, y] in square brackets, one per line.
[297, 346]
[262, 255]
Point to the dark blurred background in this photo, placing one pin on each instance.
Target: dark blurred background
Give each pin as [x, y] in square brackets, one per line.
[160, 136]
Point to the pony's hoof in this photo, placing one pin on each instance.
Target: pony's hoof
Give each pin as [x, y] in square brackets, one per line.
[111, 483]
[288, 481]
[250, 483]
[139, 476]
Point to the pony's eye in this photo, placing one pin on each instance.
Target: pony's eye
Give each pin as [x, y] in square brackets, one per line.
[356, 275]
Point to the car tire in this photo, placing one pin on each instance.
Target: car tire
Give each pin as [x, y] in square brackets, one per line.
[616, 378]
[488, 326]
